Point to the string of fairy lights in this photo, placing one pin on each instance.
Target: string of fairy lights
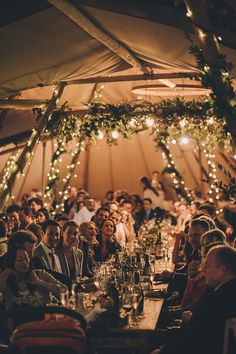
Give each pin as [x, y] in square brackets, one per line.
[213, 192]
[8, 168]
[54, 171]
[178, 181]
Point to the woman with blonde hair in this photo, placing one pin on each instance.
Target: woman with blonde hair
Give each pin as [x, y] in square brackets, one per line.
[88, 233]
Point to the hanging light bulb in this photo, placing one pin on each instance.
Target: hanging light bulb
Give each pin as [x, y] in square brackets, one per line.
[184, 140]
[114, 134]
[149, 122]
[100, 135]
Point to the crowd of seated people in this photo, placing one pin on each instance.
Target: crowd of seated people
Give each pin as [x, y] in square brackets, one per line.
[43, 251]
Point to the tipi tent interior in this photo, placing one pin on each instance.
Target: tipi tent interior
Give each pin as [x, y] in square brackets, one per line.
[103, 51]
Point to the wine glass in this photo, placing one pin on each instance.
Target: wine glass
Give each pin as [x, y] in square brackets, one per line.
[136, 294]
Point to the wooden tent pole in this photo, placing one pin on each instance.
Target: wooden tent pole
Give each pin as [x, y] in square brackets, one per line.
[26, 153]
[233, 167]
[23, 104]
[71, 172]
[87, 25]
[86, 168]
[43, 168]
[26, 175]
[138, 77]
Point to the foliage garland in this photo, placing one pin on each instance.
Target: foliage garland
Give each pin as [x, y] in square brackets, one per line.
[167, 120]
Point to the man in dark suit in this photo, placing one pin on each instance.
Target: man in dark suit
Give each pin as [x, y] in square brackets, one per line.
[148, 212]
[205, 332]
[27, 222]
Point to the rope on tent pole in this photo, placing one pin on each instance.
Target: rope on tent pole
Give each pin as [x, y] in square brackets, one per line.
[87, 25]
[41, 124]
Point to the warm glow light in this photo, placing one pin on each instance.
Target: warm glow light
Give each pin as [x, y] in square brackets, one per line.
[149, 122]
[100, 135]
[184, 140]
[114, 134]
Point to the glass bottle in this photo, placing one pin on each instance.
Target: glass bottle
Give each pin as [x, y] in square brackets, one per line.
[147, 265]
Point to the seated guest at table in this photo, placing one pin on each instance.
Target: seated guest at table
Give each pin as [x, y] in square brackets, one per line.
[27, 223]
[28, 241]
[88, 232]
[210, 210]
[183, 217]
[128, 222]
[138, 215]
[197, 286]
[86, 212]
[99, 217]
[178, 278]
[148, 212]
[42, 215]
[107, 244]
[22, 285]
[122, 233]
[35, 204]
[46, 248]
[3, 238]
[71, 258]
[205, 331]
[13, 218]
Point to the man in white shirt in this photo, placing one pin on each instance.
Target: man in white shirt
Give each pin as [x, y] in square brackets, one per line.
[85, 213]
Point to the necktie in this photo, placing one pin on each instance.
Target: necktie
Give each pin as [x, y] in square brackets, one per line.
[53, 261]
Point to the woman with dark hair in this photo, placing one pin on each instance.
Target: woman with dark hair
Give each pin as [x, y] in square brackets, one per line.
[151, 193]
[23, 286]
[107, 244]
[42, 215]
[71, 258]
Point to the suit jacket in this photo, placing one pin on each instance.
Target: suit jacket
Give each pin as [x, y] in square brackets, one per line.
[146, 217]
[205, 332]
[78, 261]
[36, 229]
[40, 253]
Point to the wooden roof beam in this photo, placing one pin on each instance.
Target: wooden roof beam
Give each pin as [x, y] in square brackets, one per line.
[87, 25]
[23, 104]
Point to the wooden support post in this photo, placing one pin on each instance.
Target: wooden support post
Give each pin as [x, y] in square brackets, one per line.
[43, 168]
[69, 177]
[178, 176]
[23, 104]
[27, 152]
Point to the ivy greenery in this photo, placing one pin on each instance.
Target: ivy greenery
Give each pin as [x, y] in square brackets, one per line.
[166, 120]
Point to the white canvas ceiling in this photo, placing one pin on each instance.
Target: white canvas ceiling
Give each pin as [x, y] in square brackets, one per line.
[41, 46]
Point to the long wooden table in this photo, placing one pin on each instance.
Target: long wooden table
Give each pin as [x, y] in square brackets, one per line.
[134, 340]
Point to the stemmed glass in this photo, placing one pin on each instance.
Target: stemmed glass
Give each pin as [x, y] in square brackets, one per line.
[136, 294]
[126, 300]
